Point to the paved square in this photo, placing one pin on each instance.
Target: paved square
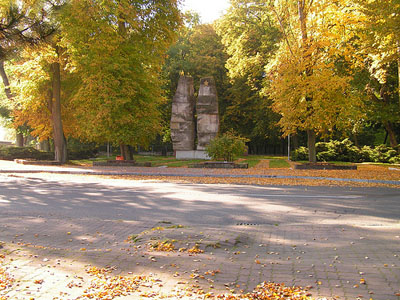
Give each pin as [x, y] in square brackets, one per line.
[342, 242]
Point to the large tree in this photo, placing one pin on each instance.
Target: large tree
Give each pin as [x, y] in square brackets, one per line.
[21, 23]
[42, 94]
[308, 88]
[117, 49]
[379, 33]
[249, 35]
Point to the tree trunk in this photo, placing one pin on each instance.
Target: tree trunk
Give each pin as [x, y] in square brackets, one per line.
[385, 95]
[7, 90]
[295, 141]
[392, 135]
[355, 136]
[44, 145]
[312, 155]
[308, 70]
[398, 68]
[6, 82]
[126, 152]
[19, 140]
[60, 145]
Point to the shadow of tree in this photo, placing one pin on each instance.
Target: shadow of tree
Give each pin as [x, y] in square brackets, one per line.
[282, 234]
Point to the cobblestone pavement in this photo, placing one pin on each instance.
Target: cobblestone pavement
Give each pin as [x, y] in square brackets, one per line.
[354, 254]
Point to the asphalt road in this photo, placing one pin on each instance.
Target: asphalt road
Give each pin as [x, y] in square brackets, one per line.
[343, 241]
[83, 197]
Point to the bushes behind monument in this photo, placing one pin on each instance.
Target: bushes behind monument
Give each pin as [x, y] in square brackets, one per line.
[347, 152]
[226, 147]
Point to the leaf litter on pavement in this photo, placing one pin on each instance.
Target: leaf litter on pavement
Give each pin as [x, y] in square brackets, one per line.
[197, 283]
[185, 242]
[322, 177]
[105, 285]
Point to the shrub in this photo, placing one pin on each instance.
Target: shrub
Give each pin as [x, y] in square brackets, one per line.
[11, 153]
[300, 153]
[346, 151]
[326, 155]
[82, 154]
[382, 153]
[395, 160]
[80, 150]
[226, 147]
[366, 153]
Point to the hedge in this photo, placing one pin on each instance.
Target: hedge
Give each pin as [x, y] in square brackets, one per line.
[11, 153]
[347, 152]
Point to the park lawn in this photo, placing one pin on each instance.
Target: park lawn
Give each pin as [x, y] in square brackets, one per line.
[156, 161]
[274, 161]
[339, 163]
[278, 164]
[170, 161]
[89, 162]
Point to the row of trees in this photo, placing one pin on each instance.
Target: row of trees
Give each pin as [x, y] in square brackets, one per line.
[86, 69]
[327, 66]
[107, 69]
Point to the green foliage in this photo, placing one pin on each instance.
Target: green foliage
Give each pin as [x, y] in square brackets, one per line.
[345, 151]
[381, 153]
[116, 49]
[79, 150]
[226, 147]
[11, 153]
[278, 163]
[338, 151]
[250, 37]
[300, 153]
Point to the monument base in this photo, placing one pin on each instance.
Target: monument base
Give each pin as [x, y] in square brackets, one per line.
[192, 154]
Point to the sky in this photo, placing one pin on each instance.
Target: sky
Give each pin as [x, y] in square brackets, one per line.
[209, 10]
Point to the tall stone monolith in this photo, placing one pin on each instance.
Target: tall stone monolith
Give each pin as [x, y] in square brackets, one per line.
[207, 113]
[182, 117]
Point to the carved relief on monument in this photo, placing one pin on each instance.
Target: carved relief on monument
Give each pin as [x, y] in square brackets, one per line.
[207, 113]
[182, 117]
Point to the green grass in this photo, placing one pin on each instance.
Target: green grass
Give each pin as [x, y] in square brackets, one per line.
[89, 162]
[156, 161]
[170, 161]
[251, 161]
[278, 163]
[183, 163]
[275, 161]
[340, 163]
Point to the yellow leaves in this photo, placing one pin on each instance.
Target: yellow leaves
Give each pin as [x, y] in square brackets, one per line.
[195, 250]
[163, 246]
[159, 228]
[272, 290]
[212, 272]
[104, 286]
[6, 281]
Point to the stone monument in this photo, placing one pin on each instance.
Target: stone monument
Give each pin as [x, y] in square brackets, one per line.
[207, 113]
[182, 118]
[183, 129]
